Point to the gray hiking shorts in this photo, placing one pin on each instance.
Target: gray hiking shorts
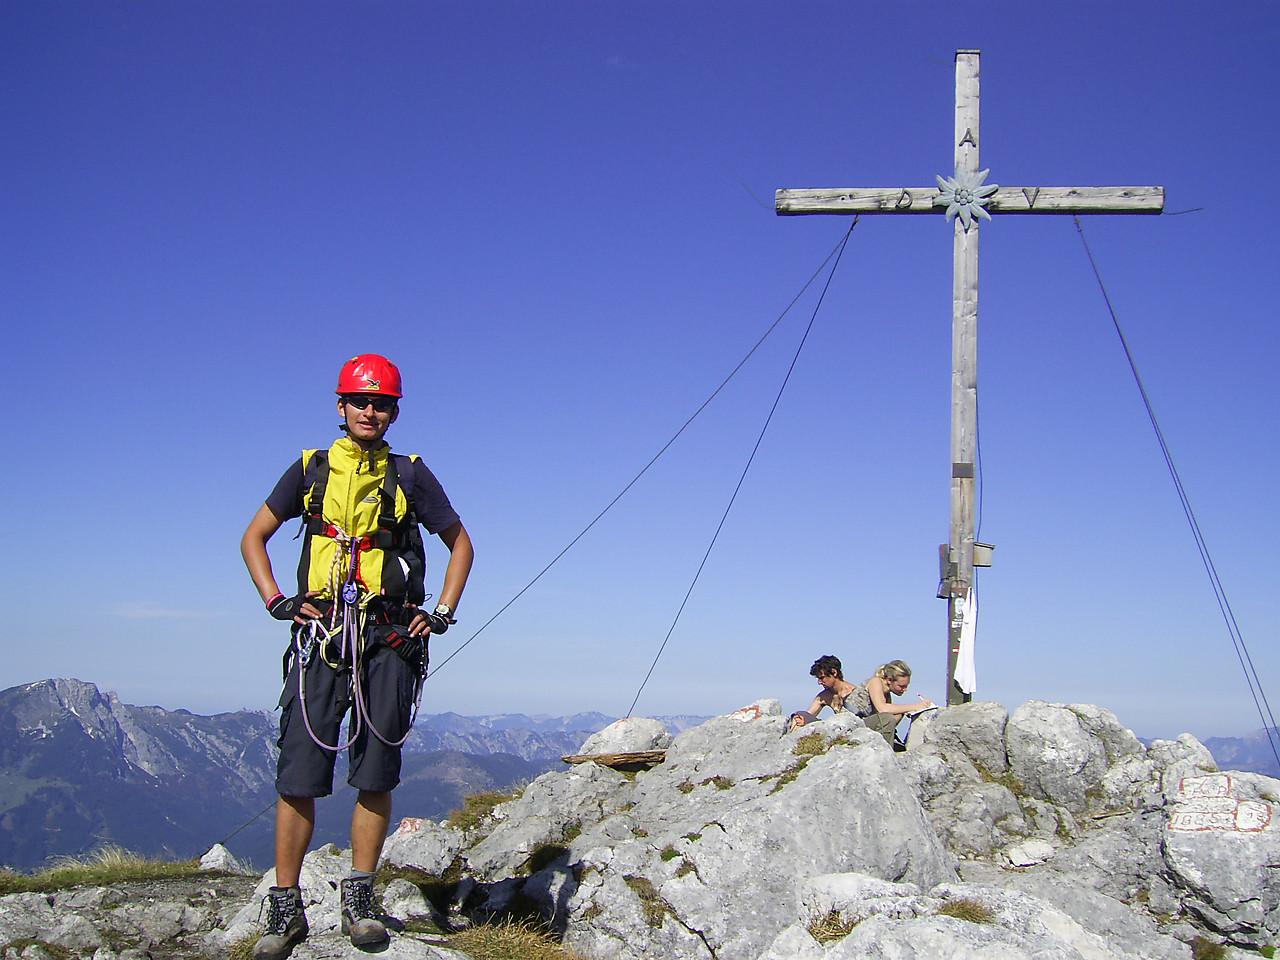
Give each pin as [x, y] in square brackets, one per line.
[305, 769]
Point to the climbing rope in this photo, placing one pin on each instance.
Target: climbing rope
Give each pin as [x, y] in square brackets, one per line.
[348, 622]
[1219, 591]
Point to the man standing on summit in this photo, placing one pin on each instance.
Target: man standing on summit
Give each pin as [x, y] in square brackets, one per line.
[359, 636]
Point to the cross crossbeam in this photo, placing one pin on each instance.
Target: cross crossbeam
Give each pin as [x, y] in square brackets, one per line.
[965, 200]
[791, 203]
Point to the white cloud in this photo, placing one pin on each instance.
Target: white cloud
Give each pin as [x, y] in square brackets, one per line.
[146, 611]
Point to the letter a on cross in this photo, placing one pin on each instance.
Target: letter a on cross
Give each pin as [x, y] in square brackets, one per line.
[965, 198]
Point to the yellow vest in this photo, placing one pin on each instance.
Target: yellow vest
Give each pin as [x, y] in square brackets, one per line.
[349, 482]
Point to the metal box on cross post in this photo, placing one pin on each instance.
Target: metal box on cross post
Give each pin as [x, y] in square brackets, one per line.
[947, 567]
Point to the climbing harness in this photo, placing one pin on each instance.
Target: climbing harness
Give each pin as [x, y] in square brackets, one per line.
[342, 639]
[358, 573]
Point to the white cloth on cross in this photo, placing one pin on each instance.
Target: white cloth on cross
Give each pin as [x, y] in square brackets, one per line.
[966, 671]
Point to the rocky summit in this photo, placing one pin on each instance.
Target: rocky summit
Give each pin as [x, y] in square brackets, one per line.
[1048, 832]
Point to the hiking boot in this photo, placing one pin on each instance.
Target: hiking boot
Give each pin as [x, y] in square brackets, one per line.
[286, 924]
[361, 920]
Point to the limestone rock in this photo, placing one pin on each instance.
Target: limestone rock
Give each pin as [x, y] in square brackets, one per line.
[75, 933]
[857, 897]
[974, 730]
[1130, 935]
[1175, 760]
[1029, 852]
[794, 943]
[424, 844]
[736, 809]
[1222, 847]
[764, 707]
[220, 858]
[1054, 755]
[550, 811]
[978, 820]
[749, 840]
[322, 871]
[628, 735]
[26, 916]
[404, 901]
[1122, 859]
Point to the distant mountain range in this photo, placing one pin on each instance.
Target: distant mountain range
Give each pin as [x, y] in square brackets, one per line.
[79, 768]
[1253, 752]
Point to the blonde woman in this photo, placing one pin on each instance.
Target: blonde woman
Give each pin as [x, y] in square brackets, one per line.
[891, 680]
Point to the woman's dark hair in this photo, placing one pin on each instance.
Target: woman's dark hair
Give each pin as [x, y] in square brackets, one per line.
[824, 665]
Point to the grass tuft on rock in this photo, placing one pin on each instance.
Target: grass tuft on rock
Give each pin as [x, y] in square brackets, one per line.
[969, 910]
[543, 856]
[1202, 948]
[788, 775]
[57, 951]
[510, 940]
[829, 928]
[810, 745]
[476, 807]
[104, 866]
[653, 904]
[242, 949]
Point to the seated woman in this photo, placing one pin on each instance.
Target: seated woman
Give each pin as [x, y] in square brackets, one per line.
[837, 693]
[889, 681]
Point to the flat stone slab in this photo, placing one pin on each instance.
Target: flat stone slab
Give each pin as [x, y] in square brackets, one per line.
[620, 761]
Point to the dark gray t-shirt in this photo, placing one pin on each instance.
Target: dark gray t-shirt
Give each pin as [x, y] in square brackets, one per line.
[429, 499]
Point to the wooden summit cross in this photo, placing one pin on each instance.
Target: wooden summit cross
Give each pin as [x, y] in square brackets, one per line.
[965, 199]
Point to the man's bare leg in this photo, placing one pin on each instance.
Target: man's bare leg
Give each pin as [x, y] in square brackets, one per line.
[369, 823]
[295, 822]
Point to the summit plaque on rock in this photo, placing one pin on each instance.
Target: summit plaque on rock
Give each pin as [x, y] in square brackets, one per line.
[1209, 803]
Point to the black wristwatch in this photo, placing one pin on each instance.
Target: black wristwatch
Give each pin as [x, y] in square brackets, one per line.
[441, 617]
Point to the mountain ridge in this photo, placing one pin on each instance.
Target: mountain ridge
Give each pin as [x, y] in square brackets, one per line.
[80, 768]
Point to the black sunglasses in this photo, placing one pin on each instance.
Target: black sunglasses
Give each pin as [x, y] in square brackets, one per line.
[360, 401]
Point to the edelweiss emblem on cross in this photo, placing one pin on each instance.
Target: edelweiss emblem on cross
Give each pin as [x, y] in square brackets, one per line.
[965, 196]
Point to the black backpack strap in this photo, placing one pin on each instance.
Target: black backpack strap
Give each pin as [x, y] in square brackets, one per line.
[387, 516]
[315, 478]
[405, 466]
[407, 536]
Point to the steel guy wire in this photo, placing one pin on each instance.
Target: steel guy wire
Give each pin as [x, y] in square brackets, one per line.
[1233, 628]
[643, 470]
[759, 439]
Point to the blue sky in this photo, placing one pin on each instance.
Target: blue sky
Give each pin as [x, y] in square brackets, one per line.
[557, 219]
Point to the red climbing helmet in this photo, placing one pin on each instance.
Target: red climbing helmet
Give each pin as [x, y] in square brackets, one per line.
[369, 373]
